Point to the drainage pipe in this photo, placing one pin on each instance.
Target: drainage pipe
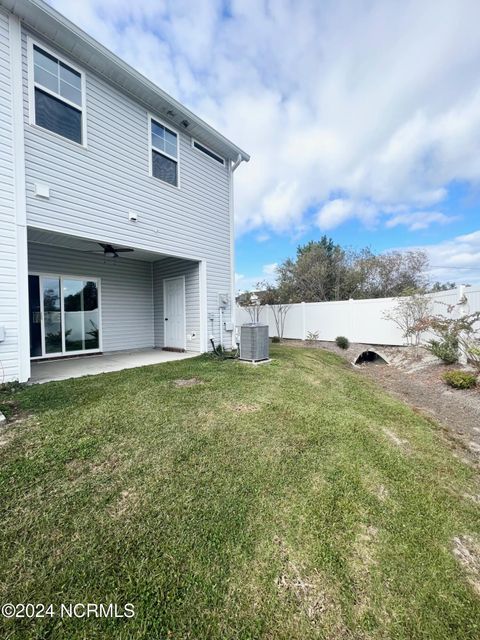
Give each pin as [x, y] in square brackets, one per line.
[221, 326]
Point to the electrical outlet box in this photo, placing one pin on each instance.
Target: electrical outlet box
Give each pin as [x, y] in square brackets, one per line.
[132, 216]
[229, 326]
[223, 299]
[211, 316]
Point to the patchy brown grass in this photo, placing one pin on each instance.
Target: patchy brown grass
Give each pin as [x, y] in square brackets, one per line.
[187, 382]
[467, 551]
[399, 442]
[308, 592]
[243, 407]
[220, 522]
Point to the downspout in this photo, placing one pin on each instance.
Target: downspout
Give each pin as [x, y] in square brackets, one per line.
[233, 167]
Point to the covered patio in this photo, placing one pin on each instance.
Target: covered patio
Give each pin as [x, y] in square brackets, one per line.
[63, 369]
[91, 312]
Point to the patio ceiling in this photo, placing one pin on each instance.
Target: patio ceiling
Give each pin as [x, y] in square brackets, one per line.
[42, 236]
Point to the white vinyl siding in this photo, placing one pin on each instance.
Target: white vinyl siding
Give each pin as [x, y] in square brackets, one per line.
[126, 291]
[93, 189]
[9, 369]
[131, 293]
[169, 268]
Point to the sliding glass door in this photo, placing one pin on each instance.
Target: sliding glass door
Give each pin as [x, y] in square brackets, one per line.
[80, 301]
[52, 314]
[64, 315]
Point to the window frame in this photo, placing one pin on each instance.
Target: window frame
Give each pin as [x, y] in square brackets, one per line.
[151, 148]
[31, 42]
[221, 161]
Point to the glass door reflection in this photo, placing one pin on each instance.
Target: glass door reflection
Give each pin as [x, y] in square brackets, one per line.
[52, 314]
[81, 315]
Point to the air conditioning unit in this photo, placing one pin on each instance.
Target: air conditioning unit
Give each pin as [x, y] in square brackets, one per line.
[254, 342]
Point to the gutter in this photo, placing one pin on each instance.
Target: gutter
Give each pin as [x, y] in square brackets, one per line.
[239, 161]
[233, 167]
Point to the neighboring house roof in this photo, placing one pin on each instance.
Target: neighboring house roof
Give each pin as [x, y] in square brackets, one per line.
[84, 49]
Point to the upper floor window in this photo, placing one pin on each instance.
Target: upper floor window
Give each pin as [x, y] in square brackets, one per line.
[58, 96]
[164, 152]
[208, 152]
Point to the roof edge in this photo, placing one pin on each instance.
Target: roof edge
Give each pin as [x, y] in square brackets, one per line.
[21, 9]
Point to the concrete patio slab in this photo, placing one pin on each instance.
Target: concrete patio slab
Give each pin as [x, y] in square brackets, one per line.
[63, 369]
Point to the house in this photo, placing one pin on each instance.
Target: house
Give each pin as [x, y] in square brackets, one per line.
[116, 210]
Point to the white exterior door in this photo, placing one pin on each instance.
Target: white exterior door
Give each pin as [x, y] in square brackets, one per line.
[174, 310]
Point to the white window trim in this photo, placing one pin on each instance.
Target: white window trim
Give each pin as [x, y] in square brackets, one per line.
[31, 91]
[163, 153]
[204, 155]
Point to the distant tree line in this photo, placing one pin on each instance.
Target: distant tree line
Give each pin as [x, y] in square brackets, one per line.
[323, 270]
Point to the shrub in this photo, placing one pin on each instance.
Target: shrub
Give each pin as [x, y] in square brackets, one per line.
[342, 342]
[312, 336]
[471, 349]
[275, 339]
[460, 379]
[446, 349]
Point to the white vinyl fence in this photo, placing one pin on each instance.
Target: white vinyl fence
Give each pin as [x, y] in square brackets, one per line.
[358, 320]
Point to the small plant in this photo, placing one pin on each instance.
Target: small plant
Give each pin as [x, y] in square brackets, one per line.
[410, 315]
[460, 379]
[275, 339]
[471, 348]
[342, 342]
[446, 349]
[312, 336]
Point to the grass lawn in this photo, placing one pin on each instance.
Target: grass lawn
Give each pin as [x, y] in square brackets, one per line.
[293, 500]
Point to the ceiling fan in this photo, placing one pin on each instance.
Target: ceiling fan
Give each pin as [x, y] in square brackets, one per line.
[109, 251]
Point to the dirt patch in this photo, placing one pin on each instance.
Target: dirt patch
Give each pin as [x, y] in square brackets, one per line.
[189, 382]
[467, 552]
[308, 592]
[244, 408]
[364, 547]
[12, 412]
[79, 468]
[126, 502]
[363, 560]
[382, 492]
[4, 440]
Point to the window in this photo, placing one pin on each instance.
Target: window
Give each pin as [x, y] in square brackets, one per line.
[57, 96]
[164, 153]
[208, 152]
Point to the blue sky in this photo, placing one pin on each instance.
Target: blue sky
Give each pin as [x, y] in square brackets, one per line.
[362, 118]
[461, 204]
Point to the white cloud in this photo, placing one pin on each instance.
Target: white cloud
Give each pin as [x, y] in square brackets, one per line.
[377, 101]
[249, 283]
[419, 220]
[270, 269]
[337, 211]
[457, 259]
